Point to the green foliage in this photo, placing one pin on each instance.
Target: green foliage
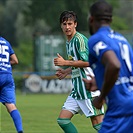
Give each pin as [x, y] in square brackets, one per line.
[24, 53]
[21, 19]
[48, 10]
[119, 23]
[40, 10]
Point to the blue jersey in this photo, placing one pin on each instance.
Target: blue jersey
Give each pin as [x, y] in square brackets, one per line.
[5, 52]
[120, 98]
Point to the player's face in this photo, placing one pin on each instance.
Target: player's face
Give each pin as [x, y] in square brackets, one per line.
[69, 27]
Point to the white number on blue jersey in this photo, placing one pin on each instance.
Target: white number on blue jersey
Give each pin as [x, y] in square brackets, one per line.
[4, 54]
[125, 55]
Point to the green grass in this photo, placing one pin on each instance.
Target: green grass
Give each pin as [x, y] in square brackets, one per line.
[39, 113]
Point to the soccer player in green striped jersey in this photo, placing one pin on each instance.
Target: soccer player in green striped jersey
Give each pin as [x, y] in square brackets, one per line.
[79, 100]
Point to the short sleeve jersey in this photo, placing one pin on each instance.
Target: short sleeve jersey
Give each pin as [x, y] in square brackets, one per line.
[77, 49]
[5, 52]
[120, 98]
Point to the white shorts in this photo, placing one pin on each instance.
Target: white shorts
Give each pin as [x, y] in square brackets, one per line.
[81, 106]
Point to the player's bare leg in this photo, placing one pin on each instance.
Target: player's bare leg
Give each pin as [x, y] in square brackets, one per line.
[64, 121]
[65, 114]
[96, 121]
[10, 107]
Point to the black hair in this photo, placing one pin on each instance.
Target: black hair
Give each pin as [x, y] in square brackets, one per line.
[101, 10]
[65, 15]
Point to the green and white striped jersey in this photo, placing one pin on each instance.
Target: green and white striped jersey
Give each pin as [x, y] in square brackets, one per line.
[77, 49]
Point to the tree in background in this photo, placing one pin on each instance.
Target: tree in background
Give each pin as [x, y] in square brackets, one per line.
[11, 13]
[49, 11]
[21, 19]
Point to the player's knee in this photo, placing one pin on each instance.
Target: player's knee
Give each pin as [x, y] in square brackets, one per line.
[10, 107]
[63, 121]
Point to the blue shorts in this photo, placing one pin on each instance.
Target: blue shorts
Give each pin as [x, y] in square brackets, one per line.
[117, 125]
[7, 89]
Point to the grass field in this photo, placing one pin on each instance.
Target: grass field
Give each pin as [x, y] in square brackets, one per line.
[39, 113]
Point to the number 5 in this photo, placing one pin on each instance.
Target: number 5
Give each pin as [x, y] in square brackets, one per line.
[4, 53]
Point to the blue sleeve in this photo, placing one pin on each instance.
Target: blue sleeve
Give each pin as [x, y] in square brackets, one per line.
[96, 49]
[11, 51]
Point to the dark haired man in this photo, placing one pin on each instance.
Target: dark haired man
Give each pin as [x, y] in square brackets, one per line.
[79, 100]
[111, 58]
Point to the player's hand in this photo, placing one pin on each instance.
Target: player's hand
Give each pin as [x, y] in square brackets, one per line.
[60, 73]
[59, 61]
[98, 102]
[90, 83]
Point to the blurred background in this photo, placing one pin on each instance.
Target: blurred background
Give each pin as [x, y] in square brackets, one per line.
[32, 27]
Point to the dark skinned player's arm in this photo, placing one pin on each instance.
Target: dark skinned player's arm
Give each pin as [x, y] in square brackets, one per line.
[112, 67]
